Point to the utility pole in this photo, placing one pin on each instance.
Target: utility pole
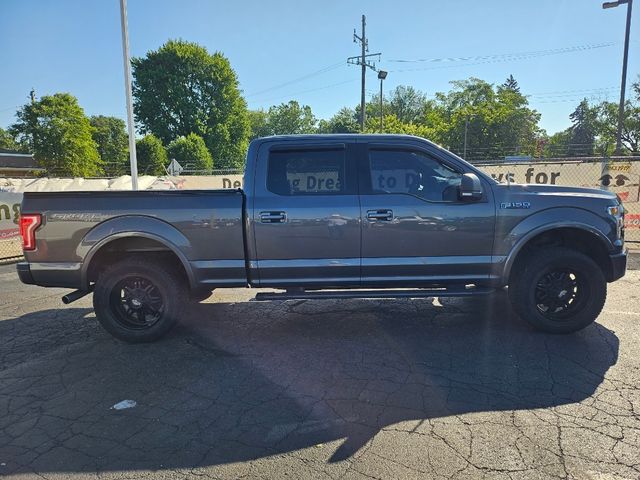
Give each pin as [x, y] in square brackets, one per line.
[623, 84]
[363, 62]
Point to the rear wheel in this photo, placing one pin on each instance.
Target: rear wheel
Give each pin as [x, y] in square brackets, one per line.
[558, 290]
[139, 301]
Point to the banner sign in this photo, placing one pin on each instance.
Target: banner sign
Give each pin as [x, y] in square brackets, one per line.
[620, 177]
[9, 214]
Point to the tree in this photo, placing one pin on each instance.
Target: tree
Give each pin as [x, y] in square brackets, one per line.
[191, 152]
[498, 121]
[510, 84]
[607, 124]
[58, 133]
[259, 121]
[557, 145]
[181, 89]
[406, 103]
[112, 142]
[291, 118]
[582, 132]
[345, 121]
[8, 141]
[152, 157]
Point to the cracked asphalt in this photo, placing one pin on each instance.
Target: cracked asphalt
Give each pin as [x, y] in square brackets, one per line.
[456, 388]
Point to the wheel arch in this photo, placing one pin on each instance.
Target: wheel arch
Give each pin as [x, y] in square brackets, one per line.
[131, 235]
[584, 238]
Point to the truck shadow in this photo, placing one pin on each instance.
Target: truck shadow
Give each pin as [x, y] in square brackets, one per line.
[241, 381]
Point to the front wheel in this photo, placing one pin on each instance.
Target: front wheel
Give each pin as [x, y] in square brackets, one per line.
[139, 301]
[558, 290]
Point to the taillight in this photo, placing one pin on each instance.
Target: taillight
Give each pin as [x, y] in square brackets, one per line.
[28, 225]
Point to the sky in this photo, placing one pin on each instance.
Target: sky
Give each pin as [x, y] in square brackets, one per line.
[559, 51]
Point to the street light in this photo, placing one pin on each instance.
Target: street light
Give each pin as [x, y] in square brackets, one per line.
[127, 86]
[624, 68]
[381, 75]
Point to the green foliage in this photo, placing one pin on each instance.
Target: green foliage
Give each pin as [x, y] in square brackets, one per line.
[151, 155]
[392, 124]
[510, 84]
[407, 104]
[557, 145]
[58, 133]
[259, 121]
[608, 125]
[190, 152]
[112, 142]
[285, 119]
[345, 121]
[498, 121]
[8, 141]
[291, 118]
[181, 89]
[583, 131]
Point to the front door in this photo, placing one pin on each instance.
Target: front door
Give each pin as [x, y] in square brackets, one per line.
[306, 216]
[415, 228]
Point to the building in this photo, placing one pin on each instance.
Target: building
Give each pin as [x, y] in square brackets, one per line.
[16, 164]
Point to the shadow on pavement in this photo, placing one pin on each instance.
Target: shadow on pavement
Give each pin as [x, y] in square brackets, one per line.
[240, 381]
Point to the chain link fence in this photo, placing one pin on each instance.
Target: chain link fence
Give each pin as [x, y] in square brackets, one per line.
[620, 175]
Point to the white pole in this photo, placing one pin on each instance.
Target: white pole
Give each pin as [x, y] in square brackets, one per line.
[127, 84]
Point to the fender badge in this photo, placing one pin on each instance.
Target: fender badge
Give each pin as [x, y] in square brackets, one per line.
[515, 205]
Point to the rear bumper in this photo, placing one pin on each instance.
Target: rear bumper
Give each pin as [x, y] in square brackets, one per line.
[50, 274]
[618, 265]
[24, 273]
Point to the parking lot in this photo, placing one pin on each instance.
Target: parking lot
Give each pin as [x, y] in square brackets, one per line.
[456, 388]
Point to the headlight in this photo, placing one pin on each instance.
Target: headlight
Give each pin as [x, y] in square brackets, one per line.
[617, 212]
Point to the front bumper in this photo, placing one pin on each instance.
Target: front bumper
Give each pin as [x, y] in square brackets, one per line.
[618, 263]
[24, 273]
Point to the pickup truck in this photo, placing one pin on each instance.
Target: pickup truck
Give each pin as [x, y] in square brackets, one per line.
[330, 216]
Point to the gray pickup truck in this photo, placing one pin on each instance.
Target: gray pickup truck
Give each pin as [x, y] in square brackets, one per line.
[330, 216]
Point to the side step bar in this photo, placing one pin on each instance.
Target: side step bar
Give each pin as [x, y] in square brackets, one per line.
[301, 294]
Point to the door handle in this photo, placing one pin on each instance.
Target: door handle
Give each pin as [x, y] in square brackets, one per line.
[384, 215]
[273, 217]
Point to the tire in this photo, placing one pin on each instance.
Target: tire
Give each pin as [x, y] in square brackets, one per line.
[200, 295]
[137, 301]
[558, 290]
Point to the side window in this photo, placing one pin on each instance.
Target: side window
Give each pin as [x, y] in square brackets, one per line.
[307, 172]
[414, 173]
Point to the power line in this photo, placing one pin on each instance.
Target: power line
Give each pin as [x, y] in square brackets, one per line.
[309, 90]
[553, 51]
[299, 79]
[500, 59]
[571, 91]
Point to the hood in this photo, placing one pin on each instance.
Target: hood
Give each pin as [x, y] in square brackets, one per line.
[558, 191]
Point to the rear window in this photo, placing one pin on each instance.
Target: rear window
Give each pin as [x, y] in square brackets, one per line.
[307, 172]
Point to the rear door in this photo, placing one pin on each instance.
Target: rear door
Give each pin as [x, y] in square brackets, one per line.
[415, 228]
[306, 215]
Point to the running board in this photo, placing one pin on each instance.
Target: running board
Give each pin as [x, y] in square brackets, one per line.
[300, 294]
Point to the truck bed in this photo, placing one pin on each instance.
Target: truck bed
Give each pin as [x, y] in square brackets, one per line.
[204, 226]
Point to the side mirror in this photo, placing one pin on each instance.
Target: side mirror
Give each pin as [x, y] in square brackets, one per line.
[470, 187]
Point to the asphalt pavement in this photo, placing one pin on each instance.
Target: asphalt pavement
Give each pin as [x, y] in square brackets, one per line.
[456, 388]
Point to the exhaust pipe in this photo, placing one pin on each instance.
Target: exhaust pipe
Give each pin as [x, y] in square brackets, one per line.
[76, 295]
